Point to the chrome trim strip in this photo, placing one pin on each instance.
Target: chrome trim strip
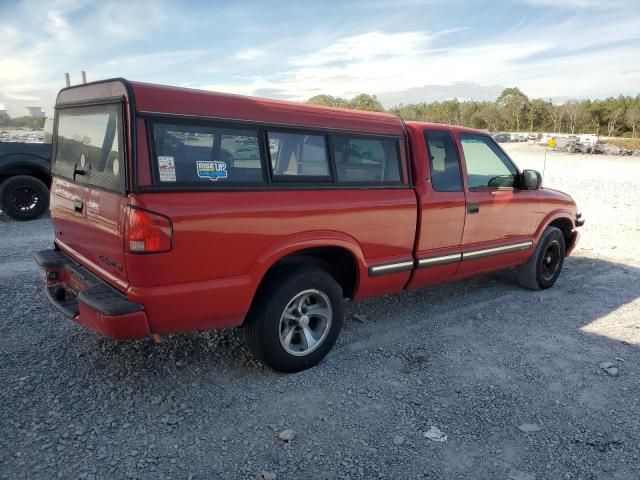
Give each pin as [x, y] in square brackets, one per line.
[391, 265]
[496, 250]
[390, 268]
[444, 259]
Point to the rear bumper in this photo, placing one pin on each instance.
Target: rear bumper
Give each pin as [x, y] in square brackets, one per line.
[88, 300]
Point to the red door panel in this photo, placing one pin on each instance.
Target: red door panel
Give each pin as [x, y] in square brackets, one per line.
[500, 219]
[442, 211]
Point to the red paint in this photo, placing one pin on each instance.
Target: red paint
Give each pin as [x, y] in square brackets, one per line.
[121, 327]
[224, 242]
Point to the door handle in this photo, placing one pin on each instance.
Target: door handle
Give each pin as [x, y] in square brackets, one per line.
[473, 208]
[78, 205]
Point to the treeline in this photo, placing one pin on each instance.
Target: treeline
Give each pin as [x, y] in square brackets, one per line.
[18, 122]
[514, 111]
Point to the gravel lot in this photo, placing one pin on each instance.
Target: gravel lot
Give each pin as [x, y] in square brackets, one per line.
[511, 377]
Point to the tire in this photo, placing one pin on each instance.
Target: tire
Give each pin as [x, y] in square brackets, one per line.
[23, 197]
[278, 324]
[543, 267]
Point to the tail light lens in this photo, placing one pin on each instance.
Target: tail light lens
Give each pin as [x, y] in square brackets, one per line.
[147, 232]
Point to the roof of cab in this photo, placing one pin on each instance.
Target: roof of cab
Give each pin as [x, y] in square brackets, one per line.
[162, 99]
[444, 126]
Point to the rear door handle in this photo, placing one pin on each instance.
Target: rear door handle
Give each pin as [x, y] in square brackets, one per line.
[473, 208]
[78, 205]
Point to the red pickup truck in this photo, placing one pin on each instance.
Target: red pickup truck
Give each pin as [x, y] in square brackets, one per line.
[178, 210]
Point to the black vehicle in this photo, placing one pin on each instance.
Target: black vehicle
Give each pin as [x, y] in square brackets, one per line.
[501, 137]
[25, 178]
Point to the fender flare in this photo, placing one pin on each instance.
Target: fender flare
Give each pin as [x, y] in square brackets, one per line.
[301, 241]
[24, 163]
[561, 213]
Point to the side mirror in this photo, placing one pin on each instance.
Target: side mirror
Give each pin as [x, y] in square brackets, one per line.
[531, 180]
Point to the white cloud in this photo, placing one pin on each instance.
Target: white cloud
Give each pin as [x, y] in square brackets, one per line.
[17, 96]
[42, 42]
[383, 62]
[365, 47]
[578, 4]
[565, 53]
[248, 54]
[577, 56]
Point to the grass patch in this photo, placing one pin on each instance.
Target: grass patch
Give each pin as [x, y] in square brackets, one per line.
[628, 143]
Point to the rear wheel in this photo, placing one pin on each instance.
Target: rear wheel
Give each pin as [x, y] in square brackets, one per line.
[23, 197]
[295, 319]
[543, 268]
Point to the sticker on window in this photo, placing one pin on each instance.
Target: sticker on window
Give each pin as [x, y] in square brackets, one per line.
[212, 170]
[167, 169]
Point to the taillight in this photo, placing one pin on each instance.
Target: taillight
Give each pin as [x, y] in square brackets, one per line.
[146, 232]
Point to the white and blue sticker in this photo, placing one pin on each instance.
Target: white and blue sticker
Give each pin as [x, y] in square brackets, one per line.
[214, 171]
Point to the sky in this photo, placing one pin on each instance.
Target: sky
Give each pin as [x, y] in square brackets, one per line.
[403, 51]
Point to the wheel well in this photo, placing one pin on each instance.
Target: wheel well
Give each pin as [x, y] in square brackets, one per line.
[565, 225]
[337, 262]
[41, 175]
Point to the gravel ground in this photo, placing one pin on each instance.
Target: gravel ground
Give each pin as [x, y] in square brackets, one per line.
[512, 378]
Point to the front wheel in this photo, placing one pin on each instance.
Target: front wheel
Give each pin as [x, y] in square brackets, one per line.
[295, 319]
[543, 268]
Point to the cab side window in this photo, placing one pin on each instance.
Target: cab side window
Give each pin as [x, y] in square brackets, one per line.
[298, 155]
[366, 160]
[444, 161]
[488, 167]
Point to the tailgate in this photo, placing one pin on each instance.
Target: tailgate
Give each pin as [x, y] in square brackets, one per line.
[88, 199]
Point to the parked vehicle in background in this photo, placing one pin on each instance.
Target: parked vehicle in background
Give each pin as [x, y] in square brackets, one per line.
[501, 137]
[25, 177]
[590, 140]
[156, 233]
[519, 137]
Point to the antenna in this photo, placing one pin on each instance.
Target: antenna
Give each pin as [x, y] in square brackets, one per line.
[544, 165]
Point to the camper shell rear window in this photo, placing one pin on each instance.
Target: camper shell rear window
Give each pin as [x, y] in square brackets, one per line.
[89, 146]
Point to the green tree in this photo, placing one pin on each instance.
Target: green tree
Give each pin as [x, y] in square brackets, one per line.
[365, 101]
[573, 112]
[633, 117]
[492, 117]
[597, 113]
[538, 114]
[556, 113]
[29, 122]
[329, 101]
[514, 102]
[5, 119]
[616, 110]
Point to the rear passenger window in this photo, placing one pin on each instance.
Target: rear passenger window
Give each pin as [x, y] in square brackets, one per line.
[298, 155]
[366, 160]
[444, 161]
[204, 155]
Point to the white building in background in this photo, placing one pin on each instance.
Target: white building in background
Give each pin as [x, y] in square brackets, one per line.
[34, 112]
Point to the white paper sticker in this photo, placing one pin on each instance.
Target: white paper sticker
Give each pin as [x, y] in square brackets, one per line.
[116, 167]
[167, 169]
